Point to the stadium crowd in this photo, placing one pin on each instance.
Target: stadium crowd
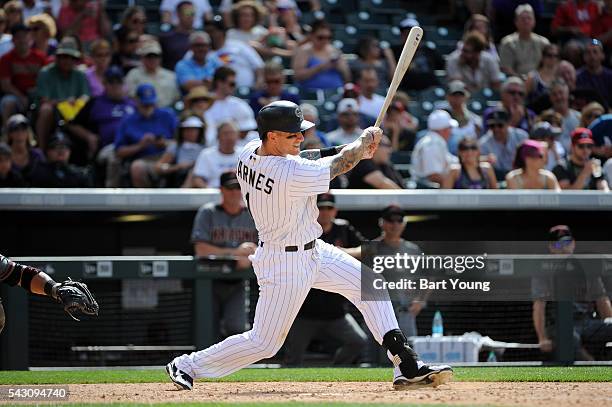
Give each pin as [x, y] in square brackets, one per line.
[167, 98]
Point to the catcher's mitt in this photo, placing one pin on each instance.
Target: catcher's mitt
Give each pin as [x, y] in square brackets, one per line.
[76, 298]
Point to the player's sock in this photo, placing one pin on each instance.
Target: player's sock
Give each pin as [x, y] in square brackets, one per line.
[400, 354]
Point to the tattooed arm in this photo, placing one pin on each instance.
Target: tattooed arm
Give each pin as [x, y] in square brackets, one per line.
[321, 153]
[351, 154]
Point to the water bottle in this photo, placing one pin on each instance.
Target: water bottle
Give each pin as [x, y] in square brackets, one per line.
[437, 329]
[492, 357]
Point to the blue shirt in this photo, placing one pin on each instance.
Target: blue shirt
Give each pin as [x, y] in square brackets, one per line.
[602, 130]
[504, 152]
[103, 115]
[133, 127]
[188, 69]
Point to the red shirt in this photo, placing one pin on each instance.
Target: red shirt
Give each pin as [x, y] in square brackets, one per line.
[89, 24]
[22, 71]
[570, 14]
[603, 24]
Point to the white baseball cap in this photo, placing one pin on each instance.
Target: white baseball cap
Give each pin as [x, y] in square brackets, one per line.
[348, 105]
[440, 119]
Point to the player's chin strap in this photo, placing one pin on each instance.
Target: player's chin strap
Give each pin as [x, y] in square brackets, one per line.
[402, 355]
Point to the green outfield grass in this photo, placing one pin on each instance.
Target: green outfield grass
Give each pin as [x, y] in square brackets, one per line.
[472, 374]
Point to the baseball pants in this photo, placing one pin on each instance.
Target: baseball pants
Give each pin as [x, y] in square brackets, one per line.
[284, 281]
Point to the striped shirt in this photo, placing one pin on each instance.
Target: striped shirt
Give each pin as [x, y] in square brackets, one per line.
[281, 194]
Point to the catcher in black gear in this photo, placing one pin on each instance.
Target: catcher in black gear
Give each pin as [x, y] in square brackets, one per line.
[74, 296]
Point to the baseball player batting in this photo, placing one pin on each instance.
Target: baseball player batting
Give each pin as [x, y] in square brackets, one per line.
[280, 185]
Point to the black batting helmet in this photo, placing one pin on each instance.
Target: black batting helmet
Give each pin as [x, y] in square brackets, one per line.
[281, 115]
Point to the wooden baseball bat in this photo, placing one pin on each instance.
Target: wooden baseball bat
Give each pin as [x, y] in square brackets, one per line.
[410, 47]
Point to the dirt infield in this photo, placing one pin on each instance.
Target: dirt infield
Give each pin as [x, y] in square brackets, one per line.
[456, 393]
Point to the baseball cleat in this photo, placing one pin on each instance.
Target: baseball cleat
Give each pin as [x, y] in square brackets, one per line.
[427, 376]
[181, 380]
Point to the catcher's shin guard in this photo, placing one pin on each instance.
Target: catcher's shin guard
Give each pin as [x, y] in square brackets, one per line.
[2, 319]
[403, 356]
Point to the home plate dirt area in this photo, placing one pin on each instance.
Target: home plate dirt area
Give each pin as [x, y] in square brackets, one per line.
[454, 393]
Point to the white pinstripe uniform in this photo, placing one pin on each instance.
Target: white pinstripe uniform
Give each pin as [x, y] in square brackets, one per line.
[281, 194]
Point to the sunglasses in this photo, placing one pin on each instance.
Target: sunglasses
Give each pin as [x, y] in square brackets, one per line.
[324, 37]
[497, 125]
[585, 146]
[593, 115]
[200, 100]
[326, 208]
[139, 21]
[549, 55]
[232, 84]
[515, 93]
[395, 219]
[132, 40]
[273, 81]
[470, 147]
[104, 55]
[152, 56]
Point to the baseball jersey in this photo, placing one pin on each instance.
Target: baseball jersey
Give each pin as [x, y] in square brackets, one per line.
[281, 194]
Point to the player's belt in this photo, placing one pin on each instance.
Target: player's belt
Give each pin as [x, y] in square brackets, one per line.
[307, 246]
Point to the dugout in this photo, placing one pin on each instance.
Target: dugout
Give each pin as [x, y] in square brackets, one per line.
[101, 222]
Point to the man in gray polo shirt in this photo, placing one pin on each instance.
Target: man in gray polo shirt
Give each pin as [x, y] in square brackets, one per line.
[501, 141]
[227, 229]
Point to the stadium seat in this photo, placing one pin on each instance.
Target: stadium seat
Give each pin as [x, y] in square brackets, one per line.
[432, 93]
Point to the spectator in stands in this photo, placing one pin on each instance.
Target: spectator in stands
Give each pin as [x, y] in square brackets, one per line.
[44, 31]
[547, 133]
[274, 80]
[318, 64]
[593, 75]
[602, 136]
[198, 101]
[133, 19]
[59, 84]
[143, 136]
[477, 69]
[20, 138]
[370, 103]
[6, 42]
[9, 177]
[101, 55]
[241, 57]
[377, 173]
[175, 43]
[552, 286]
[559, 98]
[312, 115]
[84, 19]
[590, 113]
[501, 142]
[202, 12]
[574, 19]
[481, 24]
[56, 172]
[372, 55]
[288, 19]
[529, 172]
[580, 171]
[602, 26]
[181, 154]
[97, 123]
[513, 102]
[538, 81]
[214, 161]
[247, 16]
[393, 223]
[502, 12]
[127, 56]
[469, 124]
[402, 135]
[324, 314]
[32, 8]
[18, 72]
[431, 159]
[348, 123]
[226, 230]
[520, 52]
[567, 73]
[426, 60]
[227, 107]
[151, 72]
[199, 68]
[14, 13]
[470, 172]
